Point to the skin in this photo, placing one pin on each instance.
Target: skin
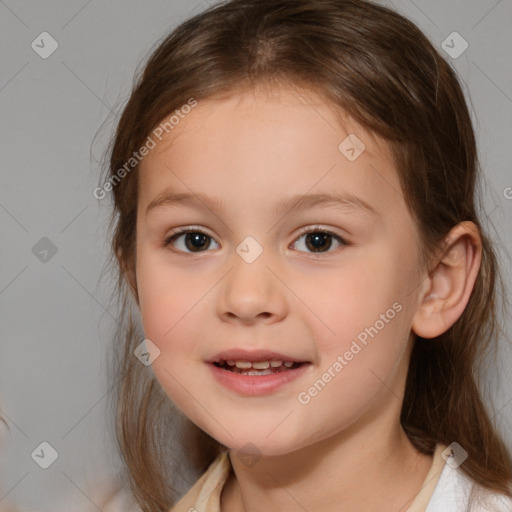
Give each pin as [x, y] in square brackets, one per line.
[344, 450]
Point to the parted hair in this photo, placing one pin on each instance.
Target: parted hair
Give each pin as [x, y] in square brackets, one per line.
[375, 65]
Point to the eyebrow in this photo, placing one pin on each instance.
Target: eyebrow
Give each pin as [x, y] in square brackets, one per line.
[345, 200]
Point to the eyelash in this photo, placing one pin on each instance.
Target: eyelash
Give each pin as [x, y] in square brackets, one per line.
[303, 231]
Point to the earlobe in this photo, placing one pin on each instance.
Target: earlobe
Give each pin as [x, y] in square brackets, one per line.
[448, 286]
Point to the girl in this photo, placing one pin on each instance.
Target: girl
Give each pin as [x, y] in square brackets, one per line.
[294, 218]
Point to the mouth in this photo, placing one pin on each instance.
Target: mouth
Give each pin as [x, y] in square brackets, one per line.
[269, 367]
[257, 375]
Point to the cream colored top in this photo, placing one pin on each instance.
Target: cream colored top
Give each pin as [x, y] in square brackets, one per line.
[204, 496]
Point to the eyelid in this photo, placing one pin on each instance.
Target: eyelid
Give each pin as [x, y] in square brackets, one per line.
[312, 228]
[187, 229]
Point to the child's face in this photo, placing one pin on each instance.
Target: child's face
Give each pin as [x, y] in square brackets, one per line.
[346, 310]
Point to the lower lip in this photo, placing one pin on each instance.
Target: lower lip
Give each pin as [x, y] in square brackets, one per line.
[254, 385]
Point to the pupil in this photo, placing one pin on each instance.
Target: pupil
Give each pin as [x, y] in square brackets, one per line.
[315, 241]
[192, 238]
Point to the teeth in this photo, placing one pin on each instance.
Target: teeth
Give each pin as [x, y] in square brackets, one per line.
[261, 365]
[243, 364]
[258, 365]
[260, 372]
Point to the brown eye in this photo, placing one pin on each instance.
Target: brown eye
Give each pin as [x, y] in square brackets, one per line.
[193, 241]
[319, 241]
[196, 241]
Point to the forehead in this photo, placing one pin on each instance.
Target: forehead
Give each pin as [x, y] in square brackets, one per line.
[259, 145]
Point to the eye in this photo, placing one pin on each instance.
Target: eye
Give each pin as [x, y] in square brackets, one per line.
[195, 240]
[319, 240]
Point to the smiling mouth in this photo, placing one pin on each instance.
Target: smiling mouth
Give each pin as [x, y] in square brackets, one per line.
[257, 367]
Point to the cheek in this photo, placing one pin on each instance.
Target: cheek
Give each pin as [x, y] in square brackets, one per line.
[370, 289]
[338, 398]
[167, 316]
[172, 310]
[167, 297]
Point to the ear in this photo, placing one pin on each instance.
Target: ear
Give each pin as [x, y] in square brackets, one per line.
[447, 288]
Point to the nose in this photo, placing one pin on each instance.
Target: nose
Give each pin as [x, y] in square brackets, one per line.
[251, 293]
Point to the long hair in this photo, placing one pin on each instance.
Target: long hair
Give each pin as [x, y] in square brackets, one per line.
[372, 63]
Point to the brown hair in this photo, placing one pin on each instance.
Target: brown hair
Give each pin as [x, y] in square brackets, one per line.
[379, 68]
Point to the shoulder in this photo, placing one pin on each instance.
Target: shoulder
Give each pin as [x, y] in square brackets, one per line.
[484, 500]
[456, 492]
[204, 495]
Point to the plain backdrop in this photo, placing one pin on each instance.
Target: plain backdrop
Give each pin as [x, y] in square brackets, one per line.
[56, 323]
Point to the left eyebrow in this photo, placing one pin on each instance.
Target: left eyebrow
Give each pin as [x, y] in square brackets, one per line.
[344, 200]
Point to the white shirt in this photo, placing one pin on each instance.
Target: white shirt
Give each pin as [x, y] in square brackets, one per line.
[456, 492]
[444, 490]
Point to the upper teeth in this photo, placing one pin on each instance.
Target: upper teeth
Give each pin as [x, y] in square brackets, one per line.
[258, 365]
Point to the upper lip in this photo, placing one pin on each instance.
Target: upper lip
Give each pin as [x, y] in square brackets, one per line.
[237, 354]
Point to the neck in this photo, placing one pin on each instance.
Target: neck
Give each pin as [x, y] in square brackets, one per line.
[370, 466]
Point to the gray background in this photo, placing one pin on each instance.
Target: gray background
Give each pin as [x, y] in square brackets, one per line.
[56, 319]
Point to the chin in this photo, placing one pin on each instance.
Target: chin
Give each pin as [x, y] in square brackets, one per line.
[259, 444]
